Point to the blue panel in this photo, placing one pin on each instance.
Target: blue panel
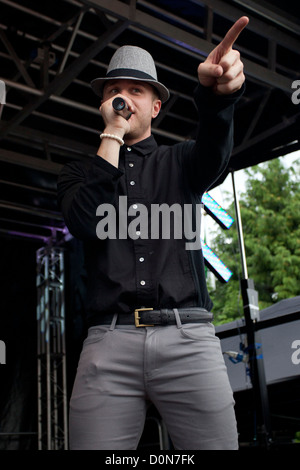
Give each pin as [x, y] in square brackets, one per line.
[215, 264]
[216, 212]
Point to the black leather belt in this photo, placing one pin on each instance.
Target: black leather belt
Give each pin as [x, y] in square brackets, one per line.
[149, 317]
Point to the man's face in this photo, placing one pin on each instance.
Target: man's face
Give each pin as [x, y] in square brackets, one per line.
[143, 102]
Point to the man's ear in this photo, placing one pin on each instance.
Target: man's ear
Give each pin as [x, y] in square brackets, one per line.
[156, 108]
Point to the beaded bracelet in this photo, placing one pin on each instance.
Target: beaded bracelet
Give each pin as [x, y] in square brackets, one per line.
[114, 137]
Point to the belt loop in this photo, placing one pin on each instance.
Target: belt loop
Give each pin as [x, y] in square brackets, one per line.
[177, 316]
[113, 323]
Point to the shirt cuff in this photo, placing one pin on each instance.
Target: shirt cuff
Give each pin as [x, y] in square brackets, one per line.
[205, 96]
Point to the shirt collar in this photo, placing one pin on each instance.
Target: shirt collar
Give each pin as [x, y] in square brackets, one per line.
[145, 146]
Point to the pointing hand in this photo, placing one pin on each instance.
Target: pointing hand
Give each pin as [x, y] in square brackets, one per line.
[223, 69]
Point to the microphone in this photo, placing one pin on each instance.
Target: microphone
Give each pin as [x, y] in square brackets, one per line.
[120, 106]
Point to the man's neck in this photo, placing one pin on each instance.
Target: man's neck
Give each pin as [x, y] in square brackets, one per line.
[129, 141]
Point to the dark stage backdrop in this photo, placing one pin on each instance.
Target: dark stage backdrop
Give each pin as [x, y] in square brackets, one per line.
[18, 377]
[18, 330]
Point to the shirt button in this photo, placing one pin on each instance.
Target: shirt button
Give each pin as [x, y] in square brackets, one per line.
[141, 259]
[142, 283]
[128, 149]
[131, 165]
[132, 183]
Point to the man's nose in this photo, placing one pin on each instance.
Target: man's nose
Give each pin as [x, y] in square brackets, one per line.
[125, 93]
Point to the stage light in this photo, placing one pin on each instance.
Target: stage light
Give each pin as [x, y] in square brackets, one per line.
[217, 212]
[214, 263]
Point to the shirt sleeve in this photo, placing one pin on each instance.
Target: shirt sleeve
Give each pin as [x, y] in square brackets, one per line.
[207, 157]
[82, 187]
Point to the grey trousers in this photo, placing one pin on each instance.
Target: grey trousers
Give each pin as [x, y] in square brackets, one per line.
[180, 369]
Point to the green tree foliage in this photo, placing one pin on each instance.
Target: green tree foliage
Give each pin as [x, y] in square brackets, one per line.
[270, 213]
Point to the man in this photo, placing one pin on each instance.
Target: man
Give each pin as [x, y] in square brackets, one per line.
[150, 335]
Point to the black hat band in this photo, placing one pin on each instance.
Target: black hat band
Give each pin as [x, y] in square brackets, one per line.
[129, 73]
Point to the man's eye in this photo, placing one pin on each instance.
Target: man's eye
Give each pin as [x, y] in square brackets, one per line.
[112, 91]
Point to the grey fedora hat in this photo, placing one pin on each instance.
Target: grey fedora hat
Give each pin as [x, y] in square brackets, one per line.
[133, 63]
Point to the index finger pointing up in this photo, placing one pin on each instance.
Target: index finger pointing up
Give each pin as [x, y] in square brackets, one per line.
[234, 33]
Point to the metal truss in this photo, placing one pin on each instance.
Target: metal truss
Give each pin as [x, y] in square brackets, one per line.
[52, 392]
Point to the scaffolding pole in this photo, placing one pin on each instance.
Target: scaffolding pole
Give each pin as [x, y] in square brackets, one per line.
[51, 364]
[263, 431]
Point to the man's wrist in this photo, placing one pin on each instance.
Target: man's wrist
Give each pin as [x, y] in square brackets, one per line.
[105, 135]
[114, 131]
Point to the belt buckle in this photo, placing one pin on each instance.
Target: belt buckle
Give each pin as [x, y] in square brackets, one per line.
[137, 316]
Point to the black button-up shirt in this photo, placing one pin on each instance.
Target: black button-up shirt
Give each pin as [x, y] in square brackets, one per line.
[145, 266]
